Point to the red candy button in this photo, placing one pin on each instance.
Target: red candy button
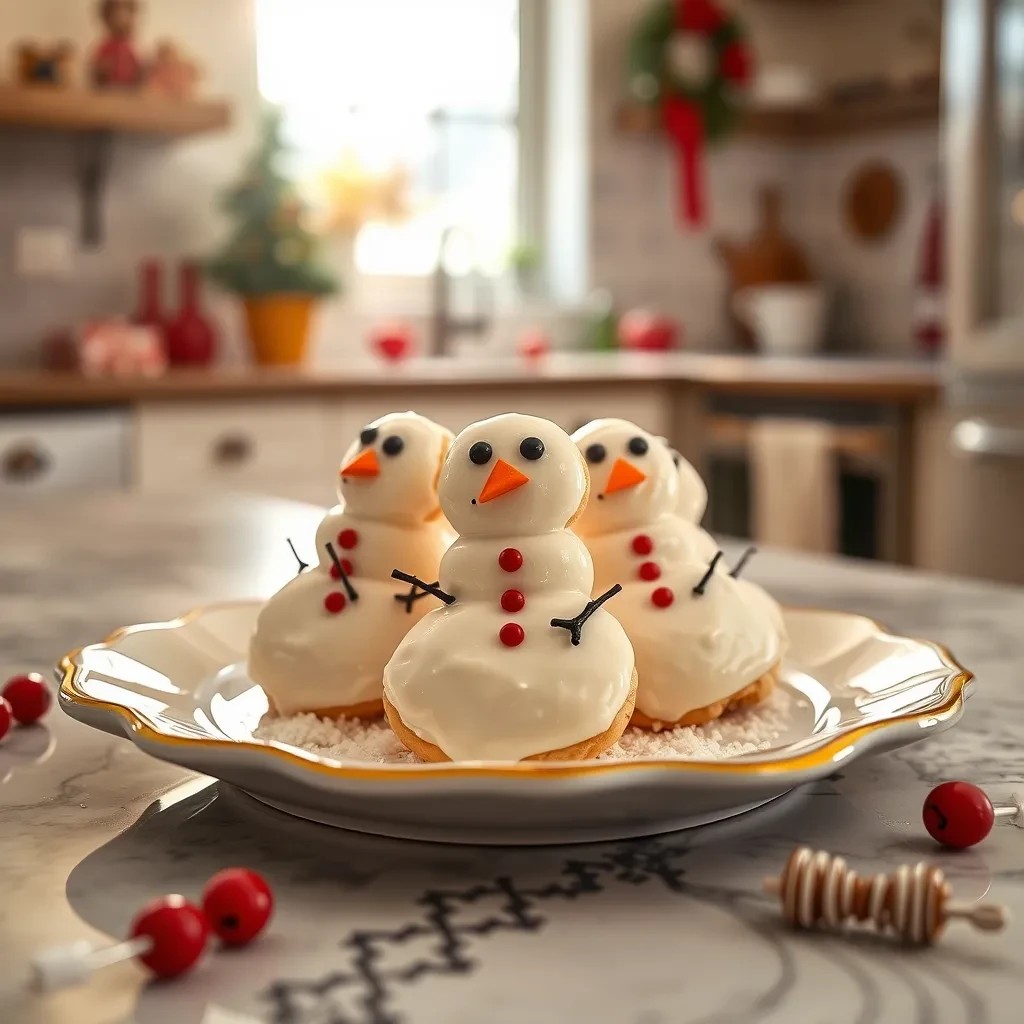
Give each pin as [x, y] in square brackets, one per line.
[642, 544]
[346, 565]
[649, 571]
[512, 634]
[237, 903]
[513, 601]
[335, 602]
[662, 597]
[511, 560]
[178, 932]
[348, 538]
[29, 697]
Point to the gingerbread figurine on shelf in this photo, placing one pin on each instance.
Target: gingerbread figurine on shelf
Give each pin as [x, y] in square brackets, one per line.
[116, 63]
[171, 73]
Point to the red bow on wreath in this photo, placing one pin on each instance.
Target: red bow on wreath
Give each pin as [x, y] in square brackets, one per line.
[690, 56]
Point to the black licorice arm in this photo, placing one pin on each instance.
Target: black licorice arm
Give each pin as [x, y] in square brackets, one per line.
[575, 624]
[698, 590]
[429, 588]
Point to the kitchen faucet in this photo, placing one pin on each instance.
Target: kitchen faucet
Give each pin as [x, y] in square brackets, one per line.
[443, 325]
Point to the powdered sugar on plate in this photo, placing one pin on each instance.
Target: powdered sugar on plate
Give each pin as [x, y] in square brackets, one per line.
[744, 732]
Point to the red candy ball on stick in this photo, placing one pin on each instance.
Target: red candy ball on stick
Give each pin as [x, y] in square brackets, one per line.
[178, 932]
[960, 815]
[168, 935]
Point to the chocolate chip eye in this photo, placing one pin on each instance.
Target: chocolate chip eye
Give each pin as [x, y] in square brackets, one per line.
[368, 436]
[480, 453]
[676, 459]
[596, 453]
[532, 448]
[637, 445]
[392, 445]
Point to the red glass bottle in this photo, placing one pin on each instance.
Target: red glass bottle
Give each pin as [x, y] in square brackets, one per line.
[191, 338]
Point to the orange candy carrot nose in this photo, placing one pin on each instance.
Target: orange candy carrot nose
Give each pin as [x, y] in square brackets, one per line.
[623, 475]
[365, 464]
[503, 478]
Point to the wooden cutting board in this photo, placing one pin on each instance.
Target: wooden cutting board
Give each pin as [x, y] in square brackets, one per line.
[769, 256]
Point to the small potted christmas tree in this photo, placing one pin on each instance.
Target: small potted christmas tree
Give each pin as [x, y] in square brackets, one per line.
[270, 258]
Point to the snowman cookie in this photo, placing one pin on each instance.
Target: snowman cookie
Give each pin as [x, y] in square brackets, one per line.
[703, 645]
[518, 662]
[321, 643]
[691, 505]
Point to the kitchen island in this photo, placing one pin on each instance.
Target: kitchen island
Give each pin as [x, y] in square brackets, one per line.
[671, 929]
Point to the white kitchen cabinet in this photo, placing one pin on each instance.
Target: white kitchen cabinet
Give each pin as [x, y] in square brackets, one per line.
[63, 451]
[273, 447]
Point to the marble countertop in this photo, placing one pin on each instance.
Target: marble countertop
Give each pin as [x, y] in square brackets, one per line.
[905, 381]
[672, 930]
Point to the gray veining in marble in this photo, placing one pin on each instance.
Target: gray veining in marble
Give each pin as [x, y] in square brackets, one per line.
[662, 931]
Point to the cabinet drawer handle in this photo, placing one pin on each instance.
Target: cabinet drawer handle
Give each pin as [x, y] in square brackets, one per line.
[25, 462]
[232, 450]
[988, 440]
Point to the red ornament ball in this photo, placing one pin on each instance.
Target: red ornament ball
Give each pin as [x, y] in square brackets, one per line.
[28, 696]
[736, 63]
[958, 814]
[701, 16]
[6, 717]
[178, 931]
[335, 602]
[511, 559]
[512, 634]
[345, 564]
[662, 597]
[238, 903]
[348, 539]
[642, 544]
[649, 571]
[513, 601]
[393, 341]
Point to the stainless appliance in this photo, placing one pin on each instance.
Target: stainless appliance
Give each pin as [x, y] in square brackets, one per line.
[982, 425]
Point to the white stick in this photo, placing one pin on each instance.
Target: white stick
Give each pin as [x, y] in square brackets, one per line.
[64, 966]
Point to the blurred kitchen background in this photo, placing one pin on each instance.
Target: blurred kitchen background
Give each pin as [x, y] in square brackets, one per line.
[785, 234]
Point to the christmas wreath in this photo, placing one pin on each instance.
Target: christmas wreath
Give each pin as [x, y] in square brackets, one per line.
[690, 59]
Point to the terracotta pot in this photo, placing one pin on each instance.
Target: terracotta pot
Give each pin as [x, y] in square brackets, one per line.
[279, 327]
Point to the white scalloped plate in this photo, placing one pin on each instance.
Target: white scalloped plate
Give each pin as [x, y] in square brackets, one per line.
[179, 691]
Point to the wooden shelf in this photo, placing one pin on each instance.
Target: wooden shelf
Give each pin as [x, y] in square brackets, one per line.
[79, 110]
[825, 120]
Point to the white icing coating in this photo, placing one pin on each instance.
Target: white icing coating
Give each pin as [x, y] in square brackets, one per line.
[308, 658]
[553, 561]
[557, 481]
[693, 492]
[404, 488]
[606, 445]
[452, 680]
[384, 546]
[457, 686]
[700, 649]
[676, 543]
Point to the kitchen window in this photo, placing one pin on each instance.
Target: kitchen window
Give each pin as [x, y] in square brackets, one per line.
[408, 117]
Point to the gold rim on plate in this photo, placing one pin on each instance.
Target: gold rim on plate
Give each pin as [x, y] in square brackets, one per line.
[832, 751]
